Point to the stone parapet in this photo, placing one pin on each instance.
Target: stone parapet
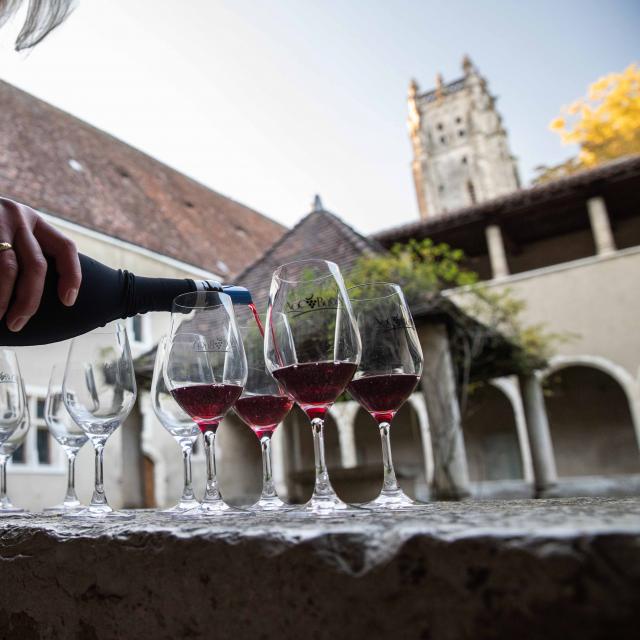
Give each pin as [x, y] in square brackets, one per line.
[564, 568]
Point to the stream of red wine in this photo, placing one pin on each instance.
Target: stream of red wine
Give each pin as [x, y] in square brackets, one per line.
[256, 315]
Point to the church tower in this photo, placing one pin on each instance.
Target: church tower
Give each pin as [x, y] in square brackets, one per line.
[461, 153]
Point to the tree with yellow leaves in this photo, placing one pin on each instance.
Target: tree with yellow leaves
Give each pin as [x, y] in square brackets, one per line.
[606, 124]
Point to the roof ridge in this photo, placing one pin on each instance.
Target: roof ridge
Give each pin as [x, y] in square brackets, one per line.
[357, 239]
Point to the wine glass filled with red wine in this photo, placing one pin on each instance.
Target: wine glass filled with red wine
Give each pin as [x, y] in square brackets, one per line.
[312, 348]
[205, 371]
[388, 372]
[263, 405]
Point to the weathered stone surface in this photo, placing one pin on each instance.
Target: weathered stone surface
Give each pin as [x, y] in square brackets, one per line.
[523, 569]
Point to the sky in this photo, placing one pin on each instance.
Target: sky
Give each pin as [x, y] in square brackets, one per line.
[272, 101]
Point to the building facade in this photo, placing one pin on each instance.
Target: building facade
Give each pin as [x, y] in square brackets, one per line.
[461, 154]
[128, 211]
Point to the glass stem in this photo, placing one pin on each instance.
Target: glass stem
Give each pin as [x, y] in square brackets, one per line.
[98, 499]
[71, 496]
[390, 483]
[268, 488]
[212, 493]
[187, 493]
[322, 486]
[3, 478]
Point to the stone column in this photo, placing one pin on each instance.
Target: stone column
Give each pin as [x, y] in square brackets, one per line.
[542, 458]
[497, 254]
[450, 474]
[600, 226]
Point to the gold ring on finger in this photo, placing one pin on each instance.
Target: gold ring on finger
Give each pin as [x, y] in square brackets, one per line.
[5, 246]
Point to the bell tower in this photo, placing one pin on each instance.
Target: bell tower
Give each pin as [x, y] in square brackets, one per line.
[461, 154]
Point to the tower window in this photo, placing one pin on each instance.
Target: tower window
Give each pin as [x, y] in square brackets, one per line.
[440, 188]
[440, 126]
[458, 120]
[443, 139]
[461, 133]
[464, 159]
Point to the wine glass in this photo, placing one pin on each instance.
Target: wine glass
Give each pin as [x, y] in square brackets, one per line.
[183, 429]
[99, 391]
[388, 372]
[263, 405]
[12, 397]
[7, 449]
[312, 348]
[67, 433]
[205, 371]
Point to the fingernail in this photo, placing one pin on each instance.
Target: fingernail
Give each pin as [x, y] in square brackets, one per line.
[18, 323]
[70, 297]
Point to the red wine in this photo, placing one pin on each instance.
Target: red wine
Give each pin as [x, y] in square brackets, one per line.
[256, 315]
[105, 294]
[263, 413]
[207, 403]
[383, 395]
[315, 385]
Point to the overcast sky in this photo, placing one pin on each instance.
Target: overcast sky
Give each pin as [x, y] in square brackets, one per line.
[272, 101]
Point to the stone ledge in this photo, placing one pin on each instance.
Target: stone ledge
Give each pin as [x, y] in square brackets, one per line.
[522, 569]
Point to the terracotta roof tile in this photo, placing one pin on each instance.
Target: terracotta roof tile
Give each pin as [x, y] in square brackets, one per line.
[320, 235]
[63, 166]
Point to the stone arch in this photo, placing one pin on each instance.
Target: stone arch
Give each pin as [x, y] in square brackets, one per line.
[592, 408]
[492, 444]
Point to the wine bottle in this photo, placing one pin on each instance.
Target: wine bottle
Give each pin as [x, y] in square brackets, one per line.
[105, 295]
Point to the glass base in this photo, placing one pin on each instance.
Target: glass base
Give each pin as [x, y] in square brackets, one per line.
[65, 507]
[212, 510]
[10, 510]
[326, 507]
[393, 501]
[184, 506]
[270, 505]
[102, 512]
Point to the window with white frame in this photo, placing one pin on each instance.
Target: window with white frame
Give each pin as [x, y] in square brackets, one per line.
[139, 331]
[38, 452]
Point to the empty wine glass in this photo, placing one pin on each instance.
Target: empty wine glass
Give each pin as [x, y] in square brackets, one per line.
[99, 391]
[7, 449]
[205, 371]
[67, 433]
[388, 372]
[312, 348]
[12, 397]
[183, 429]
[263, 405]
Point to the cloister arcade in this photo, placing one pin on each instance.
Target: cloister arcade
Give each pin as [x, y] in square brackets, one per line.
[591, 409]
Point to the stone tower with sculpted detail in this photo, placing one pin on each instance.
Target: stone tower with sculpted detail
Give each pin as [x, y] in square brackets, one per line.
[461, 154]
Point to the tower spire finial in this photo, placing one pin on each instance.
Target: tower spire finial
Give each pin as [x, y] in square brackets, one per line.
[317, 204]
[439, 85]
[467, 65]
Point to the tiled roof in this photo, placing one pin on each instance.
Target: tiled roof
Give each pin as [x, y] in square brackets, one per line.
[58, 164]
[320, 235]
[534, 198]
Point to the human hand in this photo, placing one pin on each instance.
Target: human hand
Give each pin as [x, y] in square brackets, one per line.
[23, 267]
